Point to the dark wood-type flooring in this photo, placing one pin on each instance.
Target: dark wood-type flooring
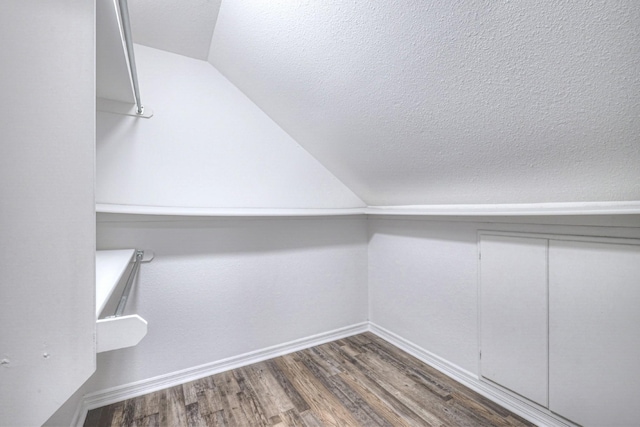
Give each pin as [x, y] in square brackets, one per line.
[356, 381]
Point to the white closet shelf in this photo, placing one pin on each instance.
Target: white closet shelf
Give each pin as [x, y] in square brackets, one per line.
[511, 209]
[116, 332]
[259, 212]
[120, 332]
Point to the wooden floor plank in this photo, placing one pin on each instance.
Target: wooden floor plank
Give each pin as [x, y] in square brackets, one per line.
[358, 409]
[254, 407]
[374, 389]
[269, 393]
[209, 402]
[285, 384]
[190, 392]
[93, 416]
[324, 405]
[484, 412]
[310, 420]
[151, 404]
[232, 409]
[153, 420]
[291, 418]
[217, 419]
[328, 364]
[194, 419]
[128, 412]
[117, 415]
[426, 371]
[421, 401]
[356, 381]
[405, 364]
[176, 410]
[390, 409]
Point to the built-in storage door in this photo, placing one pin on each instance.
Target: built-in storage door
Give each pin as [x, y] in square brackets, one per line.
[594, 332]
[514, 314]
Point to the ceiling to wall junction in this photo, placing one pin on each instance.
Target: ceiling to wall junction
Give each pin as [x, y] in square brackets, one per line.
[434, 102]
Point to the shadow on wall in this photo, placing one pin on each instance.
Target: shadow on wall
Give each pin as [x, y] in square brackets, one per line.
[424, 229]
[112, 128]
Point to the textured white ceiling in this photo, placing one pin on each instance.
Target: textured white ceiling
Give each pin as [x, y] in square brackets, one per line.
[184, 27]
[423, 102]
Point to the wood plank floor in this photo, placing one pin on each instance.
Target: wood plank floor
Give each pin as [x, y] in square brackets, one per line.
[356, 381]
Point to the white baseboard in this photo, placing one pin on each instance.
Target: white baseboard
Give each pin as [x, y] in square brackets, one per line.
[537, 415]
[117, 394]
[540, 416]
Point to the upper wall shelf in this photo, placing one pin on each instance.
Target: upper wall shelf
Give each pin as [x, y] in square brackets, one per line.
[512, 209]
[516, 209]
[259, 212]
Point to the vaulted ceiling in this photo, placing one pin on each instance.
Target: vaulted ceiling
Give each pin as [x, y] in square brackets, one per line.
[434, 102]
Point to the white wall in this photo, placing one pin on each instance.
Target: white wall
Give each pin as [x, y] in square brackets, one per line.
[423, 283]
[224, 287]
[47, 219]
[180, 27]
[113, 78]
[207, 145]
[416, 102]
[221, 287]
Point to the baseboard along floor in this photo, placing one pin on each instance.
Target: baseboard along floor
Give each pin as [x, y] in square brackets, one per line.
[360, 380]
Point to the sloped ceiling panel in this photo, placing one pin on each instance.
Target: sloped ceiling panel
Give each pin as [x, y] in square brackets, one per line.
[423, 102]
[182, 27]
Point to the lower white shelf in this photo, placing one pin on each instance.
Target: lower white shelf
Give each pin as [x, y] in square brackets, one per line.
[120, 332]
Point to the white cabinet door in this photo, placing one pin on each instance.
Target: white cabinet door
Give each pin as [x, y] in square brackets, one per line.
[594, 332]
[514, 314]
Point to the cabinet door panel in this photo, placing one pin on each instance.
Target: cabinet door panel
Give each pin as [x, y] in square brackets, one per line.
[514, 314]
[594, 359]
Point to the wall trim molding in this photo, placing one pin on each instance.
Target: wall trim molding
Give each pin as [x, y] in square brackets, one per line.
[537, 415]
[505, 210]
[139, 388]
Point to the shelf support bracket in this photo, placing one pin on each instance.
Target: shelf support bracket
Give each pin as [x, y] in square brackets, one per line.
[139, 256]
